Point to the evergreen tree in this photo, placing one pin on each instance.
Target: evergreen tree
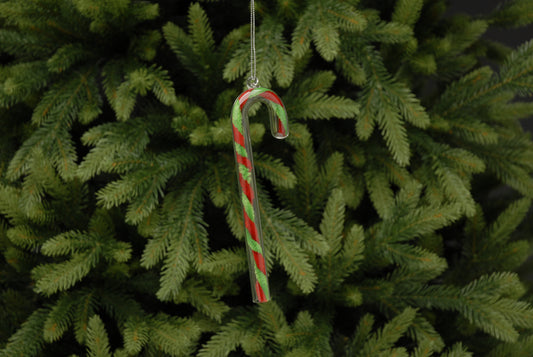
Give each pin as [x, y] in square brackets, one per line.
[396, 216]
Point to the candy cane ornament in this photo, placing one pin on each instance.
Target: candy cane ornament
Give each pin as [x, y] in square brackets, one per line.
[246, 174]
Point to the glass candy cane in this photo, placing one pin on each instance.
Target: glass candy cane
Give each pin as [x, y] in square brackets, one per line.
[246, 174]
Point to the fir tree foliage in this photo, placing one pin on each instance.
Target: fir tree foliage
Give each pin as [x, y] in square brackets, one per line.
[386, 230]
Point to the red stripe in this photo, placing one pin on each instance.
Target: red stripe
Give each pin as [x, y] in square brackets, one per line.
[281, 128]
[246, 189]
[244, 93]
[268, 95]
[259, 262]
[245, 186]
[260, 293]
[244, 97]
[237, 136]
[252, 229]
[250, 226]
[244, 160]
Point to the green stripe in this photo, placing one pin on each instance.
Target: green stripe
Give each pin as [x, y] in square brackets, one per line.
[240, 150]
[248, 207]
[263, 281]
[245, 172]
[236, 116]
[256, 247]
[282, 115]
[257, 91]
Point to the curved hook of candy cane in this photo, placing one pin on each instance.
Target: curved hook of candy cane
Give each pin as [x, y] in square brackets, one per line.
[246, 174]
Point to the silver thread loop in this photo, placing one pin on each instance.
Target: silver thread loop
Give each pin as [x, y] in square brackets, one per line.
[253, 81]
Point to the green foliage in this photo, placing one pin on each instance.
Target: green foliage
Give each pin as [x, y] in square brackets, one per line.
[513, 14]
[308, 99]
[28, 339]
[321, 23]
[275, 60]
[196, 50]
[380, 343]
[97, 339]
[396, 216]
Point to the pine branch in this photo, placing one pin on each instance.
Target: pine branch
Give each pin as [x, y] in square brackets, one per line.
[521, 348]
[226, 261]
[23, 44]
[118, 304]
[350, 69]
[200, 30]
[141, 188]
[425, 334]
[332, 225]
[306, 170]
[293, 258]
[85, 308]
[175, 336]
[310, 336]
[197, 51]
[118, 148]
[309, 239]
[340, 262]
[20, 81]
[200, 296]
[380, 192]
[97, 339]
[242, 329]
[55, 277]
[453, 170]
[513, 14]
[25, 236]
[353, 189]
[386, 102]
[321, 22]
[146, 43]
[28, 340]
[57, 110]
[136, 334]
[138, 80]
[518, 65]
[413, 258]
[60, 318]
[488, 250]
[66, 56]
[274, 58]
[362, 333]
[384, 339]
[354, 247]
[274, 170]
[407, 12]
[314, 105]
[388, 32]
[512, 165]
[187, 237]
[457, 350]
[274, 320]
[479, 302]
[86, 250]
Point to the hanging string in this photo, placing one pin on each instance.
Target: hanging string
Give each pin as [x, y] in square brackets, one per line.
[253, 81]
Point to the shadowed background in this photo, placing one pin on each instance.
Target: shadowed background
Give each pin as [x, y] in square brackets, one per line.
[510, 37]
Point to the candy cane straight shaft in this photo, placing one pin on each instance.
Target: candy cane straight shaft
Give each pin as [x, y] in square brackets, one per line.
[246, 175]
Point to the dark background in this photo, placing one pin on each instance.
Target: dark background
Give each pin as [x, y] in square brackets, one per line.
[511, 37]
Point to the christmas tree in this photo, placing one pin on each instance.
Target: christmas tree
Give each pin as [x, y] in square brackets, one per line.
[395, 215]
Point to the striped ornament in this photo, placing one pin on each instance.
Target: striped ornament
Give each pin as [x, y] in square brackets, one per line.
[246, 173]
